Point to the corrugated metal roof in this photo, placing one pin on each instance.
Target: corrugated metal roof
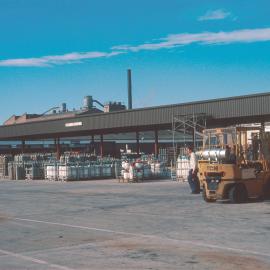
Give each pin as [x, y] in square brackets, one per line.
[241, 107]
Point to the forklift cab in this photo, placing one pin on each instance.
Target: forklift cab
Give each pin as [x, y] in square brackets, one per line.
[233, 163]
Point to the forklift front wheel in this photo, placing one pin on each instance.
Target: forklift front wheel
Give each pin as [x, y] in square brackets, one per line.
[206, 199]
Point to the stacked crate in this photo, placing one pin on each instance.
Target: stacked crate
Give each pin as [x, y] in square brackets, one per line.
[4, 160]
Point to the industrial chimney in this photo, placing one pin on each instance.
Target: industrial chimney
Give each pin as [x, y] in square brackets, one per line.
[129, 89]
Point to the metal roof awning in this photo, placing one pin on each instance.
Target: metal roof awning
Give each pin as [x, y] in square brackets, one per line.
[225, 111]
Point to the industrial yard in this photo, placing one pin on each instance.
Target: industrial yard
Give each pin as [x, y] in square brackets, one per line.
[128, 205]
[108, 189]
[110, 225]
[134, 135]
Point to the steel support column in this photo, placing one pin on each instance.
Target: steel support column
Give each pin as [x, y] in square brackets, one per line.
[23, 146]
[92, 144]
[101, 145]
[156, 143]
[137, 142]
[58, 148]
[194, 138]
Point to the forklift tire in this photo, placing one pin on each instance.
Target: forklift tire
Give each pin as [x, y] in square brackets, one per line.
[238, 194]
[205, 197]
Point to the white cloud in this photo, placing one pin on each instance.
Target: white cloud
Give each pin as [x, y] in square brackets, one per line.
[171, 41]
[50, 60]
[23, 62]
[218, 14]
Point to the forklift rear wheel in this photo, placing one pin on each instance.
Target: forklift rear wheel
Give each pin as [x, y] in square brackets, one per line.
[266, 191]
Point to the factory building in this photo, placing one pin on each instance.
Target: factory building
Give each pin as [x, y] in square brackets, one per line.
[111, 128]
[108, 128]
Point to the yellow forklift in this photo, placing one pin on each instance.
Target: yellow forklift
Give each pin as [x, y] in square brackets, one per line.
[234, 164]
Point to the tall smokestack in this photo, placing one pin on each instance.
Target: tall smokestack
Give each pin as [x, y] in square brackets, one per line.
[129, 89]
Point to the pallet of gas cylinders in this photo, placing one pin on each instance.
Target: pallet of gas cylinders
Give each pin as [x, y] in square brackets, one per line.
[70, 167]
[27, 167]
[4, 160]
[79, 171]
[75, 167]
[141, 170]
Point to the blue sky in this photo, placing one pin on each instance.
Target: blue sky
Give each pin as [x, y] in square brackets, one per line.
[57, 51]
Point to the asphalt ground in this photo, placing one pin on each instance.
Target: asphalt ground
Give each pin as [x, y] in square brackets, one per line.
[109, 225]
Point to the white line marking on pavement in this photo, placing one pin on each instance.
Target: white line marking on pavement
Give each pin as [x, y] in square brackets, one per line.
[27, 258]
[79, 227]
[186, 242]
[63, 248]
[23, 225]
